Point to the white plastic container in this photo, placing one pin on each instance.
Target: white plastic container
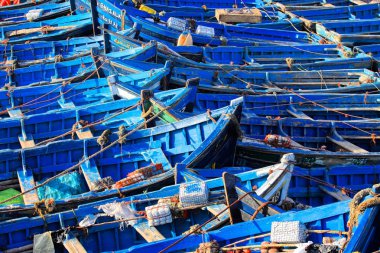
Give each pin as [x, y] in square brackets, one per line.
[177, 24]
[205, 30]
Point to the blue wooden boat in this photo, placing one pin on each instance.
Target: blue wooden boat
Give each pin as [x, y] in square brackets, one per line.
[140, 232]
[310, 2]
[28, 130]
[365, 11]
[45, 12]
[335, 107]
[263, 54]
[353, 32]
[233, 35]
[166, 144]
[71, 71]
[207, 3]
[325, 221]
[26, 4]
[316, 186]
[129, 87]
[55, 29]
[314, 143]
[372, 50]
[42, 74]
[118, 40]
[42, 99]
[36, 52]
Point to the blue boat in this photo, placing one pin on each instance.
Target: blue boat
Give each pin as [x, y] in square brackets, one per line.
[335, 107]
[25, 4]
[70, 71]
[25, 131]
[35, 13]
[141, 148]
[308, 227]
[314, 143]
[55, 29]
[207, 3]
[200, 57]
[42, 99]
[188, 211]
[264, 54]
[42, 74]
[150, 31]
[365, 11]
[247, 82]
[22, 55]
[351, 33]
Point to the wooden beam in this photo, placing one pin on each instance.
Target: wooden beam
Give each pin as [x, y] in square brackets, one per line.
[90, 173]
[73, 245]
[26, 181]
[150, 234]
[334, 193]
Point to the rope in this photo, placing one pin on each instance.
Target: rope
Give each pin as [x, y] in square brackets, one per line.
[86, 159]
[88, 125]
[205, 223]
[104, 138]
[357, 208]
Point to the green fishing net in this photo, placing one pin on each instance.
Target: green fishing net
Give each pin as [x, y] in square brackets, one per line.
[62, 187]
[8, 193]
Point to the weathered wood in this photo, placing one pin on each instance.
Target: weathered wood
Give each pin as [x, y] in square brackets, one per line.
[231, 196]
[222, 218]
[346, 145]
[150, 234]
[296, 113]
[27, 182]
[73, 245]
[90, 173]
[84, 134]
[251, 15]
[27, 143]
[39, 29]
[14, 113]
[334, 193]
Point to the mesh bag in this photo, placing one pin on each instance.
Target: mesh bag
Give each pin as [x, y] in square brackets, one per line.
[193, 194]
[158, 214]
[288, 232]
[140, 175]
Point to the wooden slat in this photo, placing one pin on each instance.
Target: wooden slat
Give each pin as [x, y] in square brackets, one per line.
[14, 113]
[90, 173]
[222, 218]
[150, 234]
[347, 145]
[26, 180]
[334, 193]
[27, 144]
[84, 134]
[296, 113]
[73, 245]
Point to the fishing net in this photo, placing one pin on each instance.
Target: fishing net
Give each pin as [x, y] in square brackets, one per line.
[9, 193]
[62, 187]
